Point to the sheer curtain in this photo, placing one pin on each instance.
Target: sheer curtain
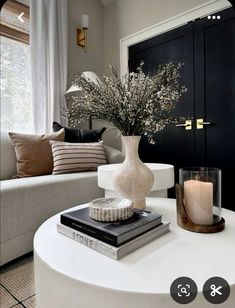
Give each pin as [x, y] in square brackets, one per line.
[48, 51]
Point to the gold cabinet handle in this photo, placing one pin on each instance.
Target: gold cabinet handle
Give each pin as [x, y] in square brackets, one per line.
[201, 123]
[187, 125]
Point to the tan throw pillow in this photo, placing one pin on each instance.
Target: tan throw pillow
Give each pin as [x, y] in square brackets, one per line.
[76, 157]
[33, 153]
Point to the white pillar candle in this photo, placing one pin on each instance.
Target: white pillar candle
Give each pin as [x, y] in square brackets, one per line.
[198, 201]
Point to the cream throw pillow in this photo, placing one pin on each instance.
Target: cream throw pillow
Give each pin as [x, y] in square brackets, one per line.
[33, 153]
[76, 157]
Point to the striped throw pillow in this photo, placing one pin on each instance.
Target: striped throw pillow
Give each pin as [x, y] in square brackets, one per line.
[77, 157]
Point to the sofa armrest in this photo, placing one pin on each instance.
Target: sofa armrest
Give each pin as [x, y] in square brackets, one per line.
[113, 155]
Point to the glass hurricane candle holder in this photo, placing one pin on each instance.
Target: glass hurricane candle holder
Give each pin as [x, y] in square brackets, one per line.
[199, 199]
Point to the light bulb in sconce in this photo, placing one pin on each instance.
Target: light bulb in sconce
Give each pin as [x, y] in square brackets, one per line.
[85, 21]
[82, 32]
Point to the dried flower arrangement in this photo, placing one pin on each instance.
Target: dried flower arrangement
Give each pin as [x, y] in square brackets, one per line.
[137, 103]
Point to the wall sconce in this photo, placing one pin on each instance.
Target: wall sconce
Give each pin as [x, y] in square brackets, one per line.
[82, 33]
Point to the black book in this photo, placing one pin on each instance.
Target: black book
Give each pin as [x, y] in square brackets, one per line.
[113, 233]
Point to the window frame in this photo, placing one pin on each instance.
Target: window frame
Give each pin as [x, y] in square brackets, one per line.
[13, 32]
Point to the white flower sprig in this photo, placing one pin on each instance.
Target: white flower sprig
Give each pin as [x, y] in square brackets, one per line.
[136, 104]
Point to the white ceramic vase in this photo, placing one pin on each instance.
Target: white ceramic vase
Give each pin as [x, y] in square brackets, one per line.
[133, 179]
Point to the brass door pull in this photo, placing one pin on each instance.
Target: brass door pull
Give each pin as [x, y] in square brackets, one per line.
[201, 123]
[187, 125]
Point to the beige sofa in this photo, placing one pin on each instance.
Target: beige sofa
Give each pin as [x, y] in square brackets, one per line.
[27, 202]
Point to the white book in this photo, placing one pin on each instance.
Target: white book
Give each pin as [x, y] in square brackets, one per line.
[110, 251]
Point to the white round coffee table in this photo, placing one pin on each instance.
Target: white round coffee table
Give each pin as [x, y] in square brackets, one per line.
[71, 275]
[163, 179]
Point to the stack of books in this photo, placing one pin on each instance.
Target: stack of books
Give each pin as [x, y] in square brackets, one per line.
[113, 239]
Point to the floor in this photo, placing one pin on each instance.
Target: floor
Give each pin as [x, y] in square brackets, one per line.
[17, 284]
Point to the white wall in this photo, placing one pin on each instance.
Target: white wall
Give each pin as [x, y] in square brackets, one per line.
[125, 17]
[93, 59]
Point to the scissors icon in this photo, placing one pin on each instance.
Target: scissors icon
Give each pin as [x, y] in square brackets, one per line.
[215, 290]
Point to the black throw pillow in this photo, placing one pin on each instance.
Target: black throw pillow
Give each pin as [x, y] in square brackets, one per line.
[75, 135]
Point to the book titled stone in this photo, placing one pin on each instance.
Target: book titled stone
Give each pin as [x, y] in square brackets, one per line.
[113, 233]
[110, 251]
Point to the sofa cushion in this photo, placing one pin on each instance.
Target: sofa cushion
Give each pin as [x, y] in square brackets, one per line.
[8, 157]
[75, 135]
[33, 153]
[113, 155]
[37, 198]
[27, 202]
[71, 157]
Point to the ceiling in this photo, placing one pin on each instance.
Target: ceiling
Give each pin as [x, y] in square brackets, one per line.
[106, 2]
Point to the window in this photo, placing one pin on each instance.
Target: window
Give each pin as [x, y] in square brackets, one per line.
[16, 107]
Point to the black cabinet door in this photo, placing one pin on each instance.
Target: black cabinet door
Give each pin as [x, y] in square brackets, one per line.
[207, 47]
[173, 145]
[214, 42]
